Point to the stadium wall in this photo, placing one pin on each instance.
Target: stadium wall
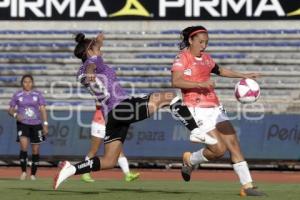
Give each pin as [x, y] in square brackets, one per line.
[262, 137]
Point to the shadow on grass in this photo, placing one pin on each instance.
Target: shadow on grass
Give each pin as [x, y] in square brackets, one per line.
[148, 191]
[55, 192]
[106, 190]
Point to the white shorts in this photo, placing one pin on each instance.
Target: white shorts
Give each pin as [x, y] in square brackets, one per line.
[98, 130]
[208, 118]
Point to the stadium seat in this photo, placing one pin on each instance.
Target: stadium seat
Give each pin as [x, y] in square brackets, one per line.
[143, 60]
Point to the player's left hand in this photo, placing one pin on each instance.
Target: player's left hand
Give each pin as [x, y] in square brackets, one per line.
[45, 130]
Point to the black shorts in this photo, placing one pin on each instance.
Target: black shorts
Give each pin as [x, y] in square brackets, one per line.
[33, 132]
[118, 120]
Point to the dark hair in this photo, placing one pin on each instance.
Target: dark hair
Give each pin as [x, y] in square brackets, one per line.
[82, 44]
[26, 76]
[186, 34]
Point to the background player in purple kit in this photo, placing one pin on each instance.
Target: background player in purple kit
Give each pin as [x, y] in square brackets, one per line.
[119, 109]
[28, 107]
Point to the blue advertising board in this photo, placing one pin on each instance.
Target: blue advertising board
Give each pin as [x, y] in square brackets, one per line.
[272, 137]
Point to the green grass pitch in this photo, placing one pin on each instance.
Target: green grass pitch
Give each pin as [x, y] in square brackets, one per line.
[12, 189]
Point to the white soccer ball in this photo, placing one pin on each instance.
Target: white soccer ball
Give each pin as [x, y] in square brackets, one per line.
[247, 91]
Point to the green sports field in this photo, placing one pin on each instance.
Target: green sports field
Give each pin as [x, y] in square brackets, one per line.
[13, 189]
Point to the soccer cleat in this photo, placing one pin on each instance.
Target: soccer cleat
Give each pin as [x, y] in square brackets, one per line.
[251, 192]
[66, 171]
[200, 137]
[23, 176]
[87, 178]
[131, 176]
[187, 168]
[33, 177]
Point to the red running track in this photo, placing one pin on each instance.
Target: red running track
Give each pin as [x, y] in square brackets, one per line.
[170, 174]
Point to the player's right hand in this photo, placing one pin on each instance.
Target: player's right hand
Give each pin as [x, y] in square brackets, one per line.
[99, 39]
[90, 78]
[19, 118]
[207, 84]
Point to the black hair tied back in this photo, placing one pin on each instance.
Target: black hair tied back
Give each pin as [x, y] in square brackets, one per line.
[186, 34]
[79, 37]
[80, 49]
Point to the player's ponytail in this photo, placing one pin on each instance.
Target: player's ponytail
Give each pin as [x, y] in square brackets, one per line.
[189, 32]
[82, 44]
[79, 37]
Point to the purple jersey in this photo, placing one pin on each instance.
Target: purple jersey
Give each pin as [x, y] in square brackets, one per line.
[27, 105]
[106, 89]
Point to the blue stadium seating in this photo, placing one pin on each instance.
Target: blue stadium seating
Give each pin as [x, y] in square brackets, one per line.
[55, 61]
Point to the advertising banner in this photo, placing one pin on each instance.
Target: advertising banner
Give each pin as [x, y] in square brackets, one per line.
[274, 137]
[98, 10]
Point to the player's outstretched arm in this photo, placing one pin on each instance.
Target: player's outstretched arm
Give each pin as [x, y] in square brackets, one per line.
[234, 74]
[99, 40]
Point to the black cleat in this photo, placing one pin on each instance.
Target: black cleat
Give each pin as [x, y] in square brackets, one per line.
[186, 172]
[187, 168]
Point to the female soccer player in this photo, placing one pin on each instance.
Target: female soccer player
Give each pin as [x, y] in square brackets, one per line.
[98, 124]
[120, 109]
[191, 73]
[28, 107]
[97, 136]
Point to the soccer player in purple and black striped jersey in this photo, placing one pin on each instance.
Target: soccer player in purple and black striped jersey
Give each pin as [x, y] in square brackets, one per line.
[120, 109]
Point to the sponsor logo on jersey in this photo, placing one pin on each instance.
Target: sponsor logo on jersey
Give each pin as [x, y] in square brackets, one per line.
[187, 72]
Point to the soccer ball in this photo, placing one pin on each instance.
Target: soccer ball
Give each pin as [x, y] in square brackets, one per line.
[247, 91]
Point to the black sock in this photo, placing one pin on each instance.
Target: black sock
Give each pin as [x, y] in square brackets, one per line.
[181, 112]
[23, 160]
[87, 166]
[35, 162]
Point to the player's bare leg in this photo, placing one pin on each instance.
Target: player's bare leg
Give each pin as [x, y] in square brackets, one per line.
[95, 145]
[240, 166]
[210, 152]
[97, 135]
[124, 165]
[112, 151]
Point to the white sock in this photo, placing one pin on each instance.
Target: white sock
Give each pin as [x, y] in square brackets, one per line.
[242, 170]
[198, 157]
[196, 130]
[86, 158]
[123, 163]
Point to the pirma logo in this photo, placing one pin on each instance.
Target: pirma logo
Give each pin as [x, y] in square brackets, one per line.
[149, 9]
[223, 8]
[70, 8]
[220, 8]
